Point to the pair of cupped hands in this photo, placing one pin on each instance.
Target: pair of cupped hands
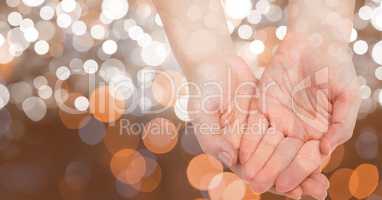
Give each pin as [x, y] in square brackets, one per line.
[277, 132]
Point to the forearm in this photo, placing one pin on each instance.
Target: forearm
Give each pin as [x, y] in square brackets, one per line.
[331, 19]
[196, 30]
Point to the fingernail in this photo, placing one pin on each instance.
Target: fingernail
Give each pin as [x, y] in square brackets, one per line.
[225, 158]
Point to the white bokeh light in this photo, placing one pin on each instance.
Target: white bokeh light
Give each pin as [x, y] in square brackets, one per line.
[256, 47]
[376, 53]
[109, 47]
[68, 5]
[45, 92]
[90, 66]
[81, 103]
[64, 20]
[15, 18]
[360, 47]
[63, 73]
[47, 13]
[376, 20]
[365, 12]
[155, 53]
[4, 96]
[33, 3]
[114, 9]
[35, 108]
[2, 40]
[245, 32]
[79, 28]
[378, 73]
[98, 32]
[41, 47]
[237, 9]
[281, 32]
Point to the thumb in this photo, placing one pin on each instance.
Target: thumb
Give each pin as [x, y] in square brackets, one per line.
[345, 110]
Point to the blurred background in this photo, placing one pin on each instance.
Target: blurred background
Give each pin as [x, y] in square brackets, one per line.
[92, 104]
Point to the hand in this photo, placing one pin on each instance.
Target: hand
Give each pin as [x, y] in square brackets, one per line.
[309, 93]
[218, 106]
[260, 141]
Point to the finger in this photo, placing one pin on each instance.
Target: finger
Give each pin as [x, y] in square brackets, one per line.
[262, 154]
[284, 154]
[257, 126]
[244, 88]
[307, 161]
[208, 133]
[314, 188]
[294, 194]
[321, 179]
[345, 110]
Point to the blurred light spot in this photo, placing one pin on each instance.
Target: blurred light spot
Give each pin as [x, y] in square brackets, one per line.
[92, 132]
[45, 92]
[13, 3]
[160, 135]
[33, 3]
[68, 5]
[79, 28]
[237, 9]
[128, 166]
[377, 52]
[114, 9]
[63, 73]
[41, 47]
[98, 32]
[15, 18]
[90, 66]
[365, 92]
[104, 106]
[376, 20]
[339, 180]
[35, 108]
[64, 20]
[364, 180]
[20, 91]
[68, 116]
[254, 17]
[4, 96]
[245, 32]
[227, 186]
[360, 47]
[202, 169]
[365, 12]
[256, 47]
[353, 35]
[2, 39]
[109, 47]
[47, 13]
[81, 103]
[263, 6]
[152, 177]
[155, 53]
[125, 190]
[281, 32]
[274, 14]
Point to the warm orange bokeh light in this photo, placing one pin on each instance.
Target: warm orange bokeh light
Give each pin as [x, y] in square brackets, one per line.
[152, 177]
[364, 180]
[251, 195]
[339, 180]
[128, 166]
[202, 169]
[227, 186]
[119, 137]
[160, 135]
[166, 85]
[104, 106]
[72, 120]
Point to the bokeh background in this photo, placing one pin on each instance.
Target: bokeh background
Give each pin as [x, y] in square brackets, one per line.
[88, 108]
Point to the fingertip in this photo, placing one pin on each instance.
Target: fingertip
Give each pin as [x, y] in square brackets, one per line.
[296, 193]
